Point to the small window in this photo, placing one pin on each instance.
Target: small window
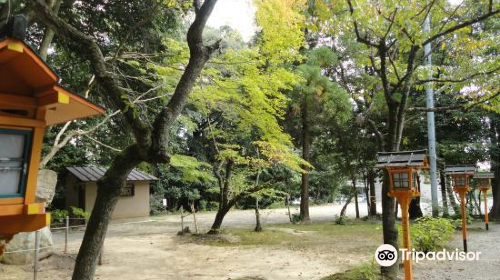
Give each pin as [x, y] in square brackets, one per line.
[400, 180]
[14, 156]
[129, 190]
[460, 181]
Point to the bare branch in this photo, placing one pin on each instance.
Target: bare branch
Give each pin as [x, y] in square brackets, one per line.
[460, 26]
[469, 77]
[88, 48]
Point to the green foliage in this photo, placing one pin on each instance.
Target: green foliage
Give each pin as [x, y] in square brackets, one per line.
[341, 220]
[156, 204]
[366, 271]
[282, 23]
[59, 215]
[79, 213]
[193, 171]
[428, 233]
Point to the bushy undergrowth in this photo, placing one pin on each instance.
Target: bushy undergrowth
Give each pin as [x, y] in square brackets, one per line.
[428, 233]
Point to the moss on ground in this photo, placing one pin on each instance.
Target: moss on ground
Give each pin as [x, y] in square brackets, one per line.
[356, 237]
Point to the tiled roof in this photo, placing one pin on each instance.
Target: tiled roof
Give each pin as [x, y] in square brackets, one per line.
[484, 175]
[468, 169]
[402, 159]
[94, 173]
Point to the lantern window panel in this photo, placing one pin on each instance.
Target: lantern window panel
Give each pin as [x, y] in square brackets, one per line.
[15, 147]
[484, 182]
[400, 180]
[460, 181]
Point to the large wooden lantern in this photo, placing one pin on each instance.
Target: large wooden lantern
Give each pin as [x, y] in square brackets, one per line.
[30, 100]
[484, 181]
[403, 168]
[460, 175]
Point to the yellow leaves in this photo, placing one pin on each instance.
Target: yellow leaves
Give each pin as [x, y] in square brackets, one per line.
[281, 22]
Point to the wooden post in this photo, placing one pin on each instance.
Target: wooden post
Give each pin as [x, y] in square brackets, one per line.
[464, 217]
[404, 201]
[66, 232]
[486, 217]
[37, 247]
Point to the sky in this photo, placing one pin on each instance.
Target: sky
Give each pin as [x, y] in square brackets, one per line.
[239, 14]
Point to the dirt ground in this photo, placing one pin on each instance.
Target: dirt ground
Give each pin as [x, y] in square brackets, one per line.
[148, 249]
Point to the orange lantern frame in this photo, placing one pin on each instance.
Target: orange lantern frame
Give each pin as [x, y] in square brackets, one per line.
[30, 100]
[484, 179]
[461, 173]
[408, 163]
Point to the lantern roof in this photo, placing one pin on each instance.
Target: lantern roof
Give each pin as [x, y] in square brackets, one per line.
[463, 169]
[484, 175]
[415, 159]
[29, 83]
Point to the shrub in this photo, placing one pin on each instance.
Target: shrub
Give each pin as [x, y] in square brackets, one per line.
[296, 218]
[341, 220]
[80, 213]
[428, 233]
[59, 215]
[156, 204]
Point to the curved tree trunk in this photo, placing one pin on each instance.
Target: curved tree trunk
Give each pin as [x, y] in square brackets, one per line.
[219, 217]
[109, 189]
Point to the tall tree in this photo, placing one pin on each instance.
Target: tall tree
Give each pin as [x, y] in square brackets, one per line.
[391, 37]
[151, 138]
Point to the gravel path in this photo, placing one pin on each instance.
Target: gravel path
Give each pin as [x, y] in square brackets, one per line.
[486, 268]
[148, 249]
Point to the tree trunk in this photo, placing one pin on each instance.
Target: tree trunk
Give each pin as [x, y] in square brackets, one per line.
[219, 217]
[49, 32]
[108, 191]
[258, 226]
[442, 180]
[193, 211]
[224, 206]
[306, 149]
[495, 164]
[367, 194]
[415, 211]
[356, 198]
[451, 197]
[389, 226]
[373, 198]
[344, 208]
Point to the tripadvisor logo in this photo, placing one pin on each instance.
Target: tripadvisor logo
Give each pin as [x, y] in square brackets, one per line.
[387, 255]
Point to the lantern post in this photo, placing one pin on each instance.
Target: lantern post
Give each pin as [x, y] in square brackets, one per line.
[30, 100]
[484, 179]
[460, 175]
[403, 168]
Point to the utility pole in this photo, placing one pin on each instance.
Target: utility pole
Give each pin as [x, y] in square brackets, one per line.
[431, 130]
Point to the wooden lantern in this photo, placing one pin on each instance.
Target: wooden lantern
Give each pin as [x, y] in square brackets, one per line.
[484, 179]
[403, 168]
[30, 100]
[460, 175]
